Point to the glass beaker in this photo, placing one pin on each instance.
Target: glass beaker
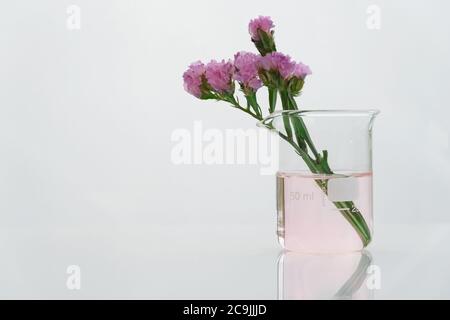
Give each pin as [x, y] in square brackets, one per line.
[324, 182]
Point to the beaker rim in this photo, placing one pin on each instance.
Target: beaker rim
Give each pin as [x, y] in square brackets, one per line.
[321, 113]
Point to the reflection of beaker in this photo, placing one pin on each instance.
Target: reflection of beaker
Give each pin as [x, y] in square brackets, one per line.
[307, 276]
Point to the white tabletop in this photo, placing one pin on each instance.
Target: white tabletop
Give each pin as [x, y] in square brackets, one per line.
[215, 262]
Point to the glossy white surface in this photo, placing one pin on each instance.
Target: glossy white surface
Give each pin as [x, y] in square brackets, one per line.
[204, 262]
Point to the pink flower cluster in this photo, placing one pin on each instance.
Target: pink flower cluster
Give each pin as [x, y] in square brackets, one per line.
[199, 79]
[220, 75]
[277, 61]
[193, 78]
[264, 24]
[246, 70]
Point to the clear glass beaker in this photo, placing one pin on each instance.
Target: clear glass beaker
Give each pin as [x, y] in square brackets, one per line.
[324, 182]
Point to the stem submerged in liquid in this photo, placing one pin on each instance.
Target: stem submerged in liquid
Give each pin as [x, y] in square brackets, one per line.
[298, 137]
[318, 163]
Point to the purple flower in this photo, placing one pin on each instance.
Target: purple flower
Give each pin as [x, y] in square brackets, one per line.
[220, 76]
[301, 70]
[277, 61]
[246, 70]
[193, 78]
[264, 24]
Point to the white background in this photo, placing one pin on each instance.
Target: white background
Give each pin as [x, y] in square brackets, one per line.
[86, 118]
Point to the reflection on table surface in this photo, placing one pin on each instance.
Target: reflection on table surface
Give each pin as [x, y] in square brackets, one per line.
[308, 276]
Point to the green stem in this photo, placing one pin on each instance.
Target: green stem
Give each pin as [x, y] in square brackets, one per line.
[284, 95]
[302, 127]
[251, 100]
[235, 104]
[286, 118]
[272, 99]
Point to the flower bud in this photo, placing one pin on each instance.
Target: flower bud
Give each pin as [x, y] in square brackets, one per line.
[261, 32]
